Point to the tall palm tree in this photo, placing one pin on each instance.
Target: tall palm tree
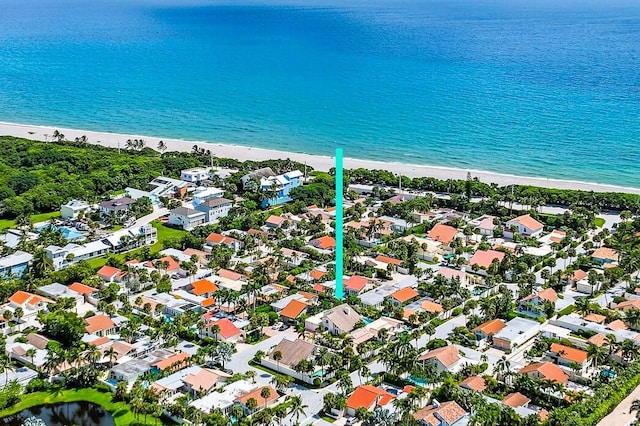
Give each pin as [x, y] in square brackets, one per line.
[265, 393]
[296, 407]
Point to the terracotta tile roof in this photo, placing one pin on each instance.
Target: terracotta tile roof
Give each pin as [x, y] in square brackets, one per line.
[633, 304]
[173, 359]
[595, 318]
[569, 353]
[490, 327]
[405, 294]
[449, 411]
[450, 274]
[20, 297]
[208, 302]
[515, 399]
[215, 238]
[203, 380]
[431, 307]
[443, 233]
[598, 340]
[355, 283]
[484, 258]
[35, 300]
[173, 264]
[98, 323]
[82, 288]
[605, 253]
[475, 383]
[548, 294]
[227, 328]
[447, 355]
[317, 275]
[203, 286]
[275, 220]
[528, 222]
[108, 271]
[293, 309]
[386, 259]
[547, 370]
[617, 325]
[578, 275]
[319, 288]
[230, 275]
[366, 396]
[257, 395]
[324, 243]
[100, 341]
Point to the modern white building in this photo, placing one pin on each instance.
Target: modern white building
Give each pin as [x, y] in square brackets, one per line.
[195, 175]
[15, 264]
[72, 253]
[215, 208]
[73, 208]
[186, 218]
[203, 194]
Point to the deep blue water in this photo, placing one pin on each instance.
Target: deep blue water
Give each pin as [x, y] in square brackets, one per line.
[545, 88]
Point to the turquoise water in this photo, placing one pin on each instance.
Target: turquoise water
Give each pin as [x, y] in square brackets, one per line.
[545, 88]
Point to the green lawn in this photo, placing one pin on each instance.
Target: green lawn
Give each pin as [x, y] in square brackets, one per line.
[36, 218]
[599, 222]
[120, 411]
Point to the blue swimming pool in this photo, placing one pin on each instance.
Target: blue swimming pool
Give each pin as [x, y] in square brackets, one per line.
[69, 233]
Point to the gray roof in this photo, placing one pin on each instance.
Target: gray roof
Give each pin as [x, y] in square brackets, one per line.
[117, 204]
[216, 202]
[17, 258]
[184, 211]
[343, 316]
[264, 172]
[294, 351]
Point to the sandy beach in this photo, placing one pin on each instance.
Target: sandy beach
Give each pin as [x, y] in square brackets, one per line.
[319, 162]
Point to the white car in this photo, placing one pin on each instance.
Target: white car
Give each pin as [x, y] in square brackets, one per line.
[277, 326]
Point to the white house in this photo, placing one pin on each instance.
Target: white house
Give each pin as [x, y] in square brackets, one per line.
[73, 208]
[186, 218]
[195, 175]
[72, 253]
[525, 225]
[15, 264]
[203, 194]
[215, 208]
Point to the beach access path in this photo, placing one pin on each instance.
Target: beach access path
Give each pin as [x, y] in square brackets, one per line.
[318, 162]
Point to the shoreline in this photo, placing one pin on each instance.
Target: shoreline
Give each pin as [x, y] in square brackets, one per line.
[318, 162]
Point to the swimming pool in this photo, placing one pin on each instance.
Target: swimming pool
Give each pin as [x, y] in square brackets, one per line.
[69, 233]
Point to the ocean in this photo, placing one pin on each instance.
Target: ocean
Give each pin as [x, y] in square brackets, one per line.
[546, 88]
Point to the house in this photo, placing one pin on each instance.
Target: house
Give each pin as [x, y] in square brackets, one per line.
[255, 176]
[293, 258]
[277, 187]
[341, 319]
[568, 356]
[323, 243]
[274, 222]
[128, 371]
[56, 291]
[100, 325]
[15, 264]
[203, 381]
[355, 284]
[517, 332]
[108, 273]
[118, 208]
[228, 332]
[516, 399]
[444, 359]
[195, 175]
[474, 383]
[427, 249]
[444, 234]
[215, 208]
[172, 363]
[605, 255]
[202, 287]
[215, 239]
[167, 187]
[482, 260]
[396, 264]
[89, 294]
[535, 302]
[574, 278]
[203, 194]
[129, 238]
[404, 296]
[186, 218]
[73, 253]
[525, 225]
[442, 414]
[485, 224]
[545, 370]
[291, 353]
[368, 397]
[30, 304]
[256, 394]
[488, 329]
[293, 310]
[453, 274]
[73, 209]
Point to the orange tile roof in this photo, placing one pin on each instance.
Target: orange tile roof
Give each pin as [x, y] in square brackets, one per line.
[215, 238]
[431, 307]
[547, 370]
[173, 359]
[275, 220]
[100, 341]
[491, 327]
[208, 302]
[443, 233]
[386, 259]
[319, 288]
[515, 399]
[324, 243]
[578, 275]
[355, 283]
[449, 411]
[230, 275]
[203, 380]
[108, 271]
[547, 294]
[203, 286]
[633, 304]
[173, 264]
[365, 396]
[405, 294]
[227, 328]
[598, 339]
[447, 355]
[616, 325]
[20, 297]
[293, 309]
[595, 318]
[317, 275]
[82, 288]
[605, 253]
[98, 323]
[569, 353]
[256, 394]
[528, 222]
[484, 258]
[475, 383]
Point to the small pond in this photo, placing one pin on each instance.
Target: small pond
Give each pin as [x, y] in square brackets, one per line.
[65, 414]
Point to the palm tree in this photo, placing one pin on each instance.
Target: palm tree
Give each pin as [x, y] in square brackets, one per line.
[277, 357]
[502, 368]
[162, 147]
[296, 407]
[31, 353]
[265, 393]
[252, 404]
[635, 406]
[597, 354]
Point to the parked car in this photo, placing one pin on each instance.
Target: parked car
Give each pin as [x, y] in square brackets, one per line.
[277, 325]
